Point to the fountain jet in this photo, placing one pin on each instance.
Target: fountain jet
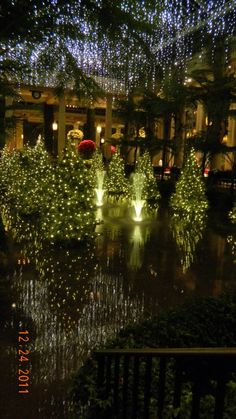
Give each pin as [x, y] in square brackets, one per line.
[99, 190]
[138, 202]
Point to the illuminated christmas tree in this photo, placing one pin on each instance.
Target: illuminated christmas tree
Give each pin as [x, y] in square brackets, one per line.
[70, 212]
[97, 161]
[97, 167]
[116, 182]
[8, 168]
[26, 178]
[35, 179]
[9, 171]
[189, 204]
[144, 167]
[190, 190]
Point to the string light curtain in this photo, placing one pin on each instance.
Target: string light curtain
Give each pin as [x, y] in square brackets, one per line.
[121, 45]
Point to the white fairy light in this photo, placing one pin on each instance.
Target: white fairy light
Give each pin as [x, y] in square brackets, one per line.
[174, 24]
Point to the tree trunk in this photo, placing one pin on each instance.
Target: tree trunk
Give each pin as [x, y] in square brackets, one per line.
[180, 118]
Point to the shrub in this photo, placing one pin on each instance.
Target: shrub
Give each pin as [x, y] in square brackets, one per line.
[205, 322]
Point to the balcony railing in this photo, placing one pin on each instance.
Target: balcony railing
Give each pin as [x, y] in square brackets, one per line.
[166, 383]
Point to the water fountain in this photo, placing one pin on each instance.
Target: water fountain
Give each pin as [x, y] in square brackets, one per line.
[99, 190]
[138, 202]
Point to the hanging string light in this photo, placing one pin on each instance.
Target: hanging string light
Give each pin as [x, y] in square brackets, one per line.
[173, 25]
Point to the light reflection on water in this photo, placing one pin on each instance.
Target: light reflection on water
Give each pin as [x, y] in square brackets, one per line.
[73, 300]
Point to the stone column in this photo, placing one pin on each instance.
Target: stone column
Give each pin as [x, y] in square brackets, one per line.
[61, 124]
[48, 131]
[181, 134]
[159, 134]
[232, 137]
[19, 134]
[200, 118]
[200, 124]
[108, 125]
[8, 131]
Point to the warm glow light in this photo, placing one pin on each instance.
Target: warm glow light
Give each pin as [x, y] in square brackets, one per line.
[102, 141]
[99, 194]
[100, 190]
[55, 126]
[138, 206]
[99, 129]
[225, 138]
[138, 202]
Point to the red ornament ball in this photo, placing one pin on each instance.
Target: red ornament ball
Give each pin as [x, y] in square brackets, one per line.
[86, 146]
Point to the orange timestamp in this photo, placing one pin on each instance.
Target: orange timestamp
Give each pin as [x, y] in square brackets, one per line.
[23, 360]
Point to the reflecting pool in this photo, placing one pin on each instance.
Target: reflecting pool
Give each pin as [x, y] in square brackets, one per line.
[71, 300]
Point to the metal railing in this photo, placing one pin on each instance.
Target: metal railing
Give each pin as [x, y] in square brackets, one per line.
[164, 383]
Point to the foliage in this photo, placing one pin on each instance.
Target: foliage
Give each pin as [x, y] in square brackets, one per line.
[144, 166]
[202, 322]
[189, 205]
[97, 169]
[25, 179]
[233, 214]
[232, 239]
[70, 213]
[59, 197]
[86, 148]
[75, 134]
[190, 191]
[115, 181]
[187, 232]
[60, 33]
[213, 85]
[201, 143]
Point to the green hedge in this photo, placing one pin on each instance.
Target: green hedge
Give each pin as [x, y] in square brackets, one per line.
[202, 322]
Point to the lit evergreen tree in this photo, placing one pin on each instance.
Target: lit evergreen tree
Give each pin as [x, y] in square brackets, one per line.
[8, 168]
[97, 161]
[9, 172]
[25, 178]
[70, 212]
[150, 189]
[190, 190]
[189, 204]
[116, 182]
[35, 179]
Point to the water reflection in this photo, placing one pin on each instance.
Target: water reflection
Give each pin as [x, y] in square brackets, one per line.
[187, 231]
[73, 300]
[232, 242]
[73, 307]
[138, 238]
[66, 330]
